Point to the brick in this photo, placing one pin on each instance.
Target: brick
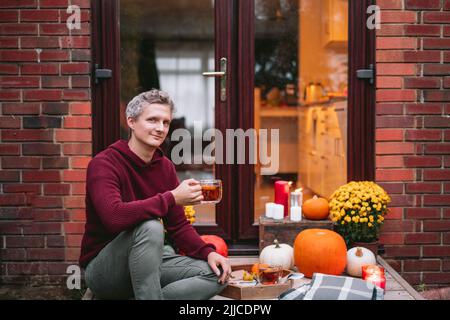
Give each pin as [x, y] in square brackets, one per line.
[10, 95]
[42, 122]
[53, 29]
[10, 228]
[55, 82]
[80, 108]
[385, 95]
[389, 108]
[395, 122]
[402, 200]
[42, 95]
[24, 242]
[422, 82]
[394, 175]
[421, 188]
[436, 95]
[55, 241]
[389, 82]
[447, 135]
[55, 108]
[81, 82]
[13, 254]
[85, 15]
[447, 162]
[398, 16]
[75, 68]
[58, 55]
[72, 254]
[437, 148]
[398, 226]
[438, 225]
[446, 83]
[389, 135]
[76, 95]
[39, 42]
[73, 135]
[423, 4]
[19, 82]
[18, 4]
[76, 42]
[390, 4]
[82, 3]
[40, 68]
[12, 200]
[41, 176]
[43, 228]
[389, 162]
[390, 43]
[46, 202]
[9, 149]
[422, 265]
[77, 122]
[27, 268]
[27, 135]
[391, 238]
[77, 215]
[53, 254]
[77, 149]
[416, 30]
[383, 148]
[56, 189]
[437, 122]
[436, 17]
[18, 29]
[80, 55]
[392, 187]
[9, 123]
[436, 277]
[78, 189]
[436, 251]
[20, 108]
[9, 16]
[434, 69]
[391, 56]
[18, 55]
[53, 3]
[9, 176]
[21, 163]
[423, 135]
[436, 200]
[9, 68]
[436, 43]
[9, 42]
[74, 202]
[22, 188]
[422, 213]
[446, 5]
[74, 175]
[74, 240]
[403, 251]
[47, 215]
[436, 174]
[423, 108]
[55, 163]
[39, 15]
[396, 69]
[422, 238]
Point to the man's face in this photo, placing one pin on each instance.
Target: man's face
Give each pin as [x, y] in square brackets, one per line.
[152, 126]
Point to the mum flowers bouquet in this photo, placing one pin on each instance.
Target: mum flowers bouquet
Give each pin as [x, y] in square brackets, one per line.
[358, 209]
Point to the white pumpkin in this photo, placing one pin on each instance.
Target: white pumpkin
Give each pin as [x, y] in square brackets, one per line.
[358, 257]
[278, 254]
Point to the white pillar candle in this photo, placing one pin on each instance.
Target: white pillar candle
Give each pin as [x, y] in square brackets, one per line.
[279, 212]
[270, 209]
[296, 214]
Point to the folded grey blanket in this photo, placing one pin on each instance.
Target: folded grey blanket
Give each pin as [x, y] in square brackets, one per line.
[327, 287]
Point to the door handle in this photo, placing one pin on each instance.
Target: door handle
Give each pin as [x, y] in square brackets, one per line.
[366, 74]
[222, 74]
[101, 73]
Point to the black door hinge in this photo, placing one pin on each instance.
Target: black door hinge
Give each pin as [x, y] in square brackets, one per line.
[101, 74]
[366, 74]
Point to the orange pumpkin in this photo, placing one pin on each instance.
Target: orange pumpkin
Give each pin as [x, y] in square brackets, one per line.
[320, 250]
[316, 208]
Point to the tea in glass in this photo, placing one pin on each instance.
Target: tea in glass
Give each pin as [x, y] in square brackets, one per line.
[270, 275]
[211, 190]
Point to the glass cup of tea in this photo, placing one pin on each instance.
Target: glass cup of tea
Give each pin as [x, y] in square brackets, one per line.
[270, 275]
[211, 190]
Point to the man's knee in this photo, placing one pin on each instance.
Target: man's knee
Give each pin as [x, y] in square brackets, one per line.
[150, 230]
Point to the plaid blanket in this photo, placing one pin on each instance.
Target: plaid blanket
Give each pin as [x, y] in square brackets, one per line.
[327, 287]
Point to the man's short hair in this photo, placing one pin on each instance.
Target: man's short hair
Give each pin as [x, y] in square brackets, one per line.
[137, 104]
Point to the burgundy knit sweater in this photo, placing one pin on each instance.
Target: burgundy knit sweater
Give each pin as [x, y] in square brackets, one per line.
[123, 191]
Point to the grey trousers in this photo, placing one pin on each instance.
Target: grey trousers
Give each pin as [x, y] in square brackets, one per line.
[137, 264]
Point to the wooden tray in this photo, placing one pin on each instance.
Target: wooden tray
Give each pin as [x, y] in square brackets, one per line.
[255, 292]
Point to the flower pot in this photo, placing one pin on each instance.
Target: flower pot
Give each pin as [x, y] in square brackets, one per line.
[372, 246]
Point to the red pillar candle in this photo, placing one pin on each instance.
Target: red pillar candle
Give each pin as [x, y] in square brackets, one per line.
[282, 195]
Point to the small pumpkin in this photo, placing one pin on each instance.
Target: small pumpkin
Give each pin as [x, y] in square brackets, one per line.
[316, 208]
[279, 254]
[320, 250]
[257, 266]
[358, 257]
[218, 242]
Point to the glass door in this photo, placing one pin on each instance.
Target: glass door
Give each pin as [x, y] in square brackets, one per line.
[175, 46]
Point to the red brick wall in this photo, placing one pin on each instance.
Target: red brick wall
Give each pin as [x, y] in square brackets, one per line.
[413, 136]
[45, 130]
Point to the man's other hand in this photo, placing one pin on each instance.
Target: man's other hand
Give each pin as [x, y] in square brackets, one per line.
[215, 260]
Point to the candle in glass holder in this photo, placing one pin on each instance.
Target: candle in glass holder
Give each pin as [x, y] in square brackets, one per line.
[296, 205]
[375, 275]
[377, 279]
[282, 194]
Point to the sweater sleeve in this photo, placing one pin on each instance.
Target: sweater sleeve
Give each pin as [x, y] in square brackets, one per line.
[183, 234]
[103, 188]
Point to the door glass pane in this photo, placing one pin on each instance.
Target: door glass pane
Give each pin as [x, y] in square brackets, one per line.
[301, 63]
[167, 45]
